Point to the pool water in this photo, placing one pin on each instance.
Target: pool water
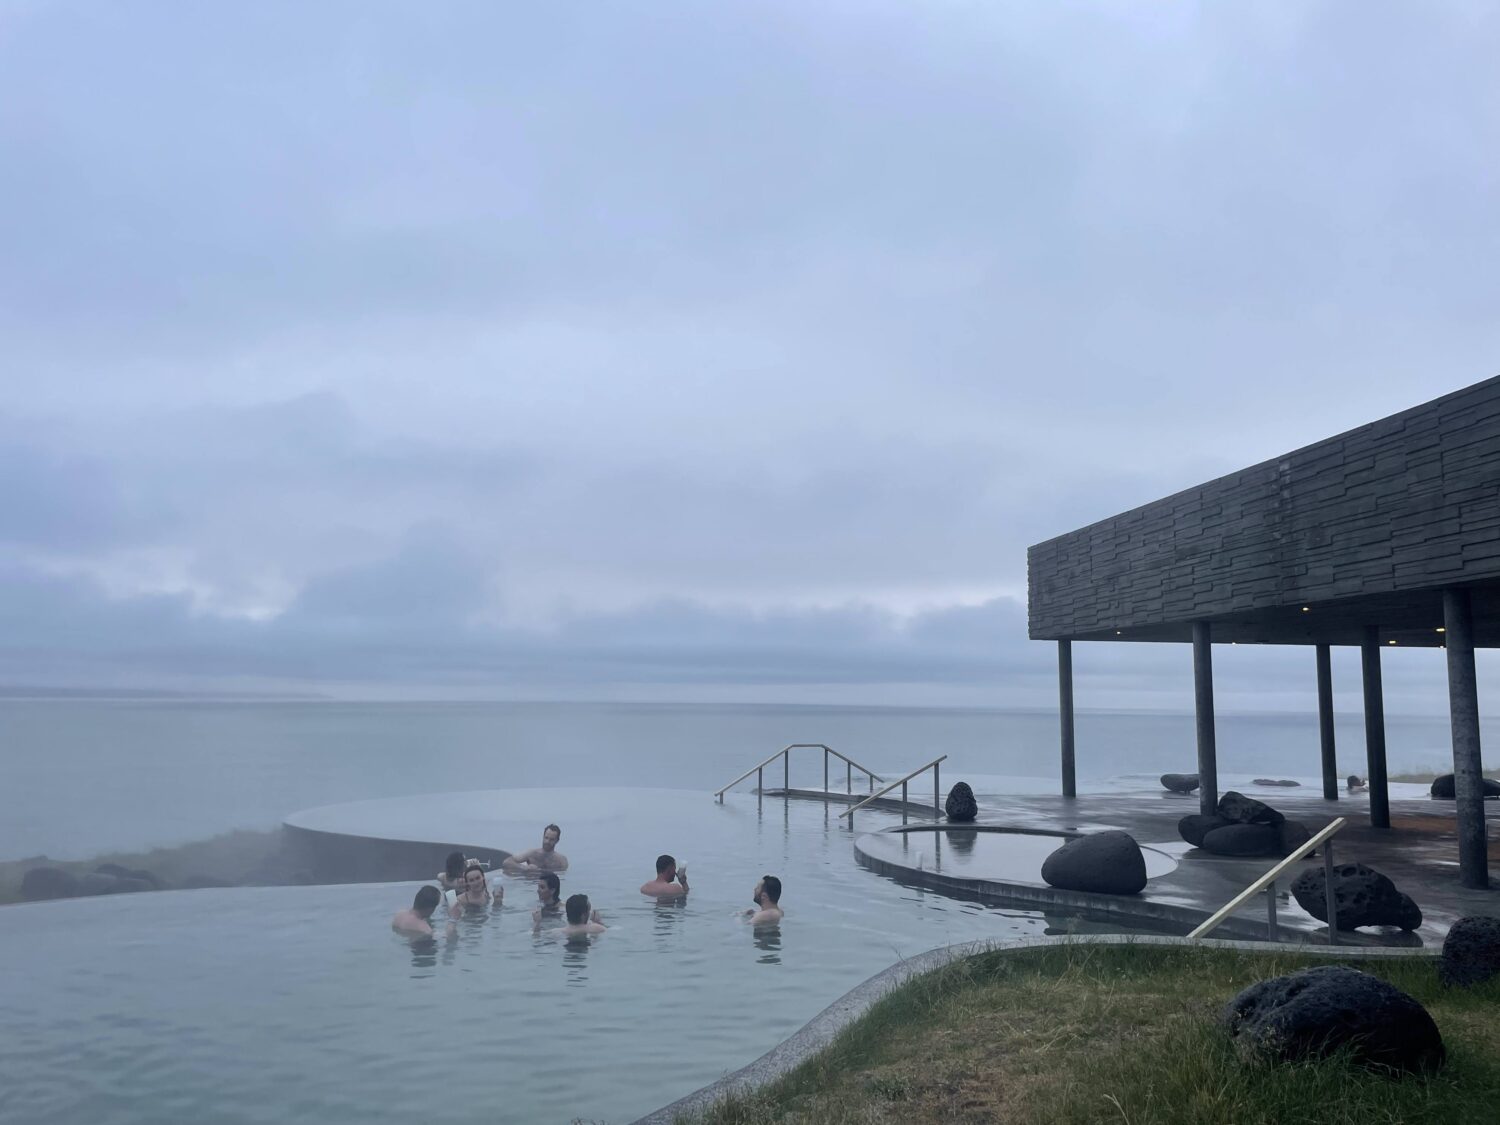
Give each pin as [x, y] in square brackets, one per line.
[276, 1004]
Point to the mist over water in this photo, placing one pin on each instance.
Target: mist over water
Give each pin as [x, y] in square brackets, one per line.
[85, 777]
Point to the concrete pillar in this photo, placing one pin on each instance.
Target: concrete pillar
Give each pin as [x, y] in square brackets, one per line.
[1203, 708]
[1325, 724]
[1380, 793]
[1463, 708]
[1065, 709]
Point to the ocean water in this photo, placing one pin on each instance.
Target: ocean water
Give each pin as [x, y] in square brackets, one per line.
[82, 777]
[261, 1005]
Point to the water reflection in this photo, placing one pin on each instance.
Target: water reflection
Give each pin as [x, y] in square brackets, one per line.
[575, 958]
[768, 941]
[668, 914]
[962, 840]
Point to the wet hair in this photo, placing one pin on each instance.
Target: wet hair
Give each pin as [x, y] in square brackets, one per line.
[454, 868]
[552, 828]
[772, 887]
[427, 899]
[663, 862]
[552, 881]
[578, 909]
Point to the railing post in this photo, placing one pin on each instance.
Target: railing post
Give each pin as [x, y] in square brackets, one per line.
[848, 777]
[825, 772]
[937, 789]
[1271, 911]
[760, 779]
[1328, 903]
[786, 769]
[903, 802]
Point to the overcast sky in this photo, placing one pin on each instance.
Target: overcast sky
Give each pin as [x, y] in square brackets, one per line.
[703, 351]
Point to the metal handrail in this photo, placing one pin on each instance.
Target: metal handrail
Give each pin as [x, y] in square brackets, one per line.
[902, 781]
[785, 754]
[1268, 883]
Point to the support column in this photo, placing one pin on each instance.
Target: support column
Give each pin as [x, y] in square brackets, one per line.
[1065, 708]
[1325, 724]
[1203, 708]
[1380, 793]
[1463, 709]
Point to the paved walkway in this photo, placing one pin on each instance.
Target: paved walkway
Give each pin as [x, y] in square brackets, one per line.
[1419, 851]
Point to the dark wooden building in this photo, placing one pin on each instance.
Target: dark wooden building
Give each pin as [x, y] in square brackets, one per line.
[1388, 534]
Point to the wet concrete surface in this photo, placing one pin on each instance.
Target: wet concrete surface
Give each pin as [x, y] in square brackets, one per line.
[1419, 852]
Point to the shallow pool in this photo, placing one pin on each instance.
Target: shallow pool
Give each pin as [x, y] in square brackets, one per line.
[298, 1003]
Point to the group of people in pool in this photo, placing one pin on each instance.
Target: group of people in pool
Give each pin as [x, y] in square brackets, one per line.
[463, 886]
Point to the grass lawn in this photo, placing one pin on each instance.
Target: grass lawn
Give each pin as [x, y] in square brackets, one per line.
[1127, 1034]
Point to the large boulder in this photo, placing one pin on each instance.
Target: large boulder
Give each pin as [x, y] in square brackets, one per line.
[1445, 789]
[1108, 863]
[1293, 835]
[1315, 1012]
[48, 882]
[1471, 951]
[1279, 783]
[1243, 840]
[1179, 782]
[960, 805]
[1362, 896]
[1193, 828]
[1247, 810]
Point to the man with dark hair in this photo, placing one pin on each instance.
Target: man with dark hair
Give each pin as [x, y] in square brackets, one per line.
[536, 860]
[670, 880]
[582, 918]
[767, 899]
[452, 876]
[549, 897]
[418, 920]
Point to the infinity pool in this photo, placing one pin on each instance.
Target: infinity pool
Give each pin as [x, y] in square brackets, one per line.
[276, 1004]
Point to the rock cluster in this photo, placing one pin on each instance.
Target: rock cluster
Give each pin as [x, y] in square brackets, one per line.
[1471, 951]
[1315, 1012]
[1243, 826]
[1108, 863]
[1362, 896]
[1445, 789]
[1179, 782]
[1282, 783]
[960, 805]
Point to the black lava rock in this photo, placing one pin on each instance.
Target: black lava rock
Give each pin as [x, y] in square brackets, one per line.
[1247, 810]
[1445, 789]
[1315, 1012]
[1243, 839]
[1293, 835]
[1471, 951]
[48, 882]
[1194, 828]
[1362, 896]
[1108, 863]
[960, 805]
[1281, 783]
[1179, 782]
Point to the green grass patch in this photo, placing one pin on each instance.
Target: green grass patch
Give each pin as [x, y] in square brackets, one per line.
[1125, 1034]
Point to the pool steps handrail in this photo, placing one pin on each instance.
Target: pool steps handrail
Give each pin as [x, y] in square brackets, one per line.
[1268, 883]
[785, 754]
[937, 790]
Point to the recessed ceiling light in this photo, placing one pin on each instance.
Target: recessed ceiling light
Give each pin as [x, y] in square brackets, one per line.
[1307, 609]
[1440, 629]
[1390, 642]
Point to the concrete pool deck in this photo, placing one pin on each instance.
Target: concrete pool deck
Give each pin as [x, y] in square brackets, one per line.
[1419, 852]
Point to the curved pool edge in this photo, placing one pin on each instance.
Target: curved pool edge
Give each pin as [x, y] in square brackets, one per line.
[1126, 909]
[822, 1029]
